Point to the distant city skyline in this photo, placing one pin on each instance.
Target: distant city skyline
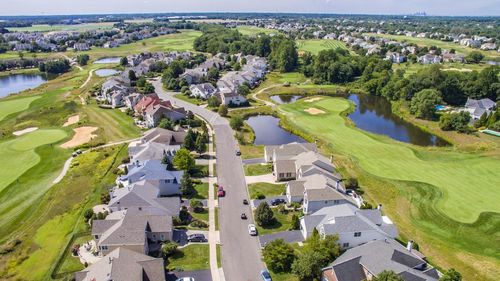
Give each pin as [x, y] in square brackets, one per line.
[394, 7]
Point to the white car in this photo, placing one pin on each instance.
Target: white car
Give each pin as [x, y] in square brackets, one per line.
[185, 279]
[252, 230]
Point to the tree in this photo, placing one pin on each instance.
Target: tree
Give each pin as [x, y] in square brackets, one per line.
[166, 161]
[168, 248]
[474, 57]
[222, 110]
[190, 140]
[166, 123]
[82, 59]
[213, 74]
[388, 275]
[264, 215]
[423, 104]
[213, 102]
[295, 222]
[352, 183]
[87, 215]
[243, 90]
[187, 186]
[200, 144]
[451, 275]
[123, 61]
[131, 75]
[196, 205]
[482, 120]
[279, 255]
[236, 122]
[148, 88]
[183, 160]
[308, 266]
[458, 121]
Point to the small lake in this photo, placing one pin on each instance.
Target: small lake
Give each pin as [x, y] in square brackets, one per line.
[106, 72]
[268, 131]
[374, 114]
[108, 60]
[284, 99]
[16, 83]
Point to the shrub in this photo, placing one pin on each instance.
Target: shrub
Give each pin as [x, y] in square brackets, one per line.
[264, 215]
[199, 224]
[168, 248]
[87, 215]
[236, 122]
[196, 205]
[351, 183]
[260, 196]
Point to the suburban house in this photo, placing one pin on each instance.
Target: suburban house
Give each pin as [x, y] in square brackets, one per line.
[132, 100]
[317, 198]
[145, 101]
[156, 144]
[194, 76]
[429, 59]
[155, 112]
[137, 230]
[203, 91]
[165, 136]
[353, 226]
[153, 171]
[81, 47]
[476, 108]
[395, 57]
[449, 57]
[232, 99]
[122, 264]
[368, 260]
[114, 91]
[216, 62]
[272, 153]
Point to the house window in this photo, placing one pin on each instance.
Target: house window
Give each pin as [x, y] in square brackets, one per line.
[345, 245]
[281, 175]
[104, 248]
[96, 236]
[357, 234]
[140, 208]
[288, 175]
[162, 237]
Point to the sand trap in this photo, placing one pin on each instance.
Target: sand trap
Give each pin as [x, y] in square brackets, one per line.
[314, 111]
[72, 120]
[82, 136]
[25, 131]
[313, 99]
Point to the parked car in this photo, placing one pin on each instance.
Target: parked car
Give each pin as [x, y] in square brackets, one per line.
[252, 230]
[243, 216]
[265, 275]
[220, 191]
[198, 237]
[245, 202]
[277, 201]
[185, 279]
[238, 153]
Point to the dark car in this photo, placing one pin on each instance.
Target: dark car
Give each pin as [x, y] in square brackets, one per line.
[198, 237]
[245, 202]
[243, 216]
[265, 275]
[220, 191]
[277, 201]
[238, 153]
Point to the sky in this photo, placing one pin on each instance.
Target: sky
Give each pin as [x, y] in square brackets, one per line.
[432, 7]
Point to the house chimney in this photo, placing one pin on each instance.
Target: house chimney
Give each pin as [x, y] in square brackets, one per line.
[379, 207]
[409, 246]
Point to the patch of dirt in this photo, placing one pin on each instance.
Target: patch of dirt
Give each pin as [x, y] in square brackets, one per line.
[314, 111]
[25, 131]
[72, 120]
[313, 99]
[82, 135]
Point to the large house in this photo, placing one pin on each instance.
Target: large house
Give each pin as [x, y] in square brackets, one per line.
[353, 226]
[122, 264]
[203, 91]
[156, 144]
[368, 260]
[281, 158]
[429, 59]
[194, 76]
[476, 108]
[114, 90]
[135, 229]
[155, 112]
[153, 171]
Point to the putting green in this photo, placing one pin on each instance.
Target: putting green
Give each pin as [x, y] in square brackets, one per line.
[12, 106]
[18, 155]
[469, 182]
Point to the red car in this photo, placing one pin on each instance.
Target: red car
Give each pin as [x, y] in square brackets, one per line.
[220, 191]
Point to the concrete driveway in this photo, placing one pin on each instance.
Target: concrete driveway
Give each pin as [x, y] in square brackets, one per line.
[254, 161]
[292, 236]
[256, 202]
[269, 178]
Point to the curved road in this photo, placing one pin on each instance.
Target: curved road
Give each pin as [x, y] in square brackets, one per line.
[241, 257]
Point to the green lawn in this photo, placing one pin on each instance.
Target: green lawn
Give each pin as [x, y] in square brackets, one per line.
[192, 257]
[268, 189]
[446, 200]
[203, 216]
[258, 169]
[9, 107]
[250, 30]
[115, 124]
[201, 190]
[189, 99]
[282, 222]
[314, 46]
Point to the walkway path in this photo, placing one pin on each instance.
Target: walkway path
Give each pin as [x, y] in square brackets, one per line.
[268, 103]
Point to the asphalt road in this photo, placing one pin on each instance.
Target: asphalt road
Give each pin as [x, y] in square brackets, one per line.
[241, 257]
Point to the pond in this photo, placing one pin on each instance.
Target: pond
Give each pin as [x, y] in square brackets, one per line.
[268, 131]
[108, 60]
[106, 72]
[284, 99]
[16, 83]
[374, 114]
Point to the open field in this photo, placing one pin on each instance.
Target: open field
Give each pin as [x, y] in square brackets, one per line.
[412, 68]
[441, 44]
[426, 191]
[254, 30]
[314, 46]
[63, 27]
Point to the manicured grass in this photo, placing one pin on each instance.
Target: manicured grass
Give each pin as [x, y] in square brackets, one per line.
[283, 276]
[192, 257]
[268, 189]
[9, 107]
[444, 199]
[314, 46]
[250, 30]
[216, 218]
[433, 42]
[258, 169]
[18, 154]
[251, 151]
[201, 191]
[189, 99]
[219, 256]
[115, 124]
[203, 216]
[282, 222]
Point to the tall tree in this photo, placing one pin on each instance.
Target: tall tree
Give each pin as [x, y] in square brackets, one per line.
[278, 255]
[423, 104]
[183, 160]
[263, 214]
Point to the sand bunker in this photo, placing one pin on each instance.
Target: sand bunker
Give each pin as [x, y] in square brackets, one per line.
[25, 131]
[82, 136]
[313, 99]
[72, 120]
[314, 111]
